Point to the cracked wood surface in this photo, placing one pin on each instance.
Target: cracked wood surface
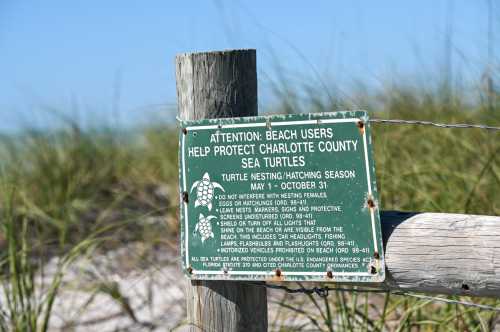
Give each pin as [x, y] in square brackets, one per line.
[220, 85]
[442, 253]
[216, 84]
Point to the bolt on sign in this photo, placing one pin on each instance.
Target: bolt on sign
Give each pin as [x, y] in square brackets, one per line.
[280, 198]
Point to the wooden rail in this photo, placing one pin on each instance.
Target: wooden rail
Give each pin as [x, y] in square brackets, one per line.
[442, 253]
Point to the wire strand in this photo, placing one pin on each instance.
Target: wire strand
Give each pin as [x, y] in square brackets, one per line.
[324, 292]
[424, 123]
[435, 124]
[450, 301]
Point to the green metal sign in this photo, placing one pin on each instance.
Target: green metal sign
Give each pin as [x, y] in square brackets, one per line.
[280, 198]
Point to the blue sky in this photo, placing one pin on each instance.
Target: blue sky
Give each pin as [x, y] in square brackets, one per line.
[113, 60]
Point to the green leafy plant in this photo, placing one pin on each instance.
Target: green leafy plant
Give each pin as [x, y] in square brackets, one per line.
[26, 302]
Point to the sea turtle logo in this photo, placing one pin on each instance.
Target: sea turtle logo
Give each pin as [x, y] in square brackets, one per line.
[205, 191]
[204, 227]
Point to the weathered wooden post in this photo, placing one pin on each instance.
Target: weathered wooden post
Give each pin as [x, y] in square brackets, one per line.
[220, 85]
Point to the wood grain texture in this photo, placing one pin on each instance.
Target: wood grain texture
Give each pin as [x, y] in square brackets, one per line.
[220, 85]
[442, 253]
[226, 306]
[216, 84]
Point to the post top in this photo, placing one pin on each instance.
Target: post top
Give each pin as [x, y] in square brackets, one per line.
[221, 53]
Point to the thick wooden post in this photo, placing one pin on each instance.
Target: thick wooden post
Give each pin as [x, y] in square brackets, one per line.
[220, 85]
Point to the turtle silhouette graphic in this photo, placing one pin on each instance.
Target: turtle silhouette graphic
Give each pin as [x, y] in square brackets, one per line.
[204, 227]
[205, 191]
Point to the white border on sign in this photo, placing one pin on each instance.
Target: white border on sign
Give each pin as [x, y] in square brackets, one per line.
[274, 124]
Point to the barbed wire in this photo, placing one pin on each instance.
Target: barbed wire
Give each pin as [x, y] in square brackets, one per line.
[324, 292]
[449, 301]
[320, 291]
[425, 123]
[435, 124]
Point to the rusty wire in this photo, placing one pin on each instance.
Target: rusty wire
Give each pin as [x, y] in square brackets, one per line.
[320, 291]
[324, 292]
[435, 124]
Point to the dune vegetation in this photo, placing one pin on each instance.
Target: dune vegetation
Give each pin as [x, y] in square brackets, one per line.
[70, 190]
